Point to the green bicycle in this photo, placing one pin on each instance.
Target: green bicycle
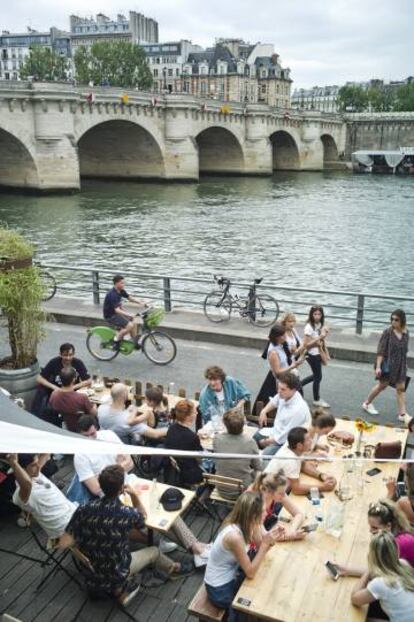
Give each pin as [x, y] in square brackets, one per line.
[157, 346]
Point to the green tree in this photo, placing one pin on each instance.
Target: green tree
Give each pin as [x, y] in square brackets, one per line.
[405, 98]
[117, 63]
[381, 100]
[45, 65]
[352, 99]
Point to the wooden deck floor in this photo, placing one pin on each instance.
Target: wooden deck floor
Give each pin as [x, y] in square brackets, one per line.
[61, 599]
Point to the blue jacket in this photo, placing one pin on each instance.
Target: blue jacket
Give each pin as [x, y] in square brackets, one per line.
[234, 391]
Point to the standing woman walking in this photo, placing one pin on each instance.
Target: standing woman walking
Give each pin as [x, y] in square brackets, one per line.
[391, 364]
[314, 341]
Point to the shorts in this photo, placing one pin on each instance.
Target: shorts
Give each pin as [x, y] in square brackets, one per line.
[119, 321]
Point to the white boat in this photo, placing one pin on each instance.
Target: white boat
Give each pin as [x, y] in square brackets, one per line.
[398, 161]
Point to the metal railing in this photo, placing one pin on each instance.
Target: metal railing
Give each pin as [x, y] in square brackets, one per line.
[360, 309]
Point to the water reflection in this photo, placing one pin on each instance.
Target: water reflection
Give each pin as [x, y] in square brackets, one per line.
[316, 230]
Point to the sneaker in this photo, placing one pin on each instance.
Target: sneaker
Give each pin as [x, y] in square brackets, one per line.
[129, 594]
[22, 522]
[370, 408]
[202, 558]
[321, 403]
[116, 345]
[403, 417]
[166, 546]
[186, 568]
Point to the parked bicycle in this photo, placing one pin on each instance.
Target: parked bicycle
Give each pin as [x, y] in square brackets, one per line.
[259, 309]
[49, 283]
[157, 346]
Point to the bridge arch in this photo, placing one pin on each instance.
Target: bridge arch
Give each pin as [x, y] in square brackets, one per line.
[285, 151]
[330, 150]
[219, 151]
[17, 165]
[120, 149]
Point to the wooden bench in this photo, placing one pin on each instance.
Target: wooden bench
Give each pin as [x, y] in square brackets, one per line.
[203, 609]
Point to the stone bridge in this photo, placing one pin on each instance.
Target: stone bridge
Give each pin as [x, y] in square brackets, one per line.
[51, 136]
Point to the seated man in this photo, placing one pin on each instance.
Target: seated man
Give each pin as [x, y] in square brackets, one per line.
[222, 393]
[37, 494]
[126, 422]
[85, 485]
[101, 530]
[235, 442]
[290, 459]
[49, 377]
[70, 403]
[292, 411]
[116, 315]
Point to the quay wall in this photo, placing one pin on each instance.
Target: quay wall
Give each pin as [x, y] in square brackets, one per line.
[380, 131]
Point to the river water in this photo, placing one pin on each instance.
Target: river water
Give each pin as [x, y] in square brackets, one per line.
[323, 230]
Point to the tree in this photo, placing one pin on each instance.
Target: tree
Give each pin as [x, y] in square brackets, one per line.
[380, 100]
[44, 64]
[352, 99]
[114, 63]
[405, 98]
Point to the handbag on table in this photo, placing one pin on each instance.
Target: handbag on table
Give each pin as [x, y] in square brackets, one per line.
[390, 450]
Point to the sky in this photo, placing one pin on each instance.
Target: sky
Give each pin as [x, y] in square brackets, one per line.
[322, 41]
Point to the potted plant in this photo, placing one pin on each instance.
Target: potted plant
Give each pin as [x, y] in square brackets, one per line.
[21, 292]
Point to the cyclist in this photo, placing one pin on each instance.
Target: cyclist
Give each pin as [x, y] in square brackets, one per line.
[116, 315]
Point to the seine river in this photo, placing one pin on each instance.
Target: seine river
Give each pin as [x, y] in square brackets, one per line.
[315, 230]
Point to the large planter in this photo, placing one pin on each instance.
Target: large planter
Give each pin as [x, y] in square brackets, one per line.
[21, 382]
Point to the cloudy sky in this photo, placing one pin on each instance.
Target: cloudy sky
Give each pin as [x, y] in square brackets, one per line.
[322, 41]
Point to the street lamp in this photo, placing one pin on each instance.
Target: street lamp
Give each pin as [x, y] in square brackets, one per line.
[164, 73]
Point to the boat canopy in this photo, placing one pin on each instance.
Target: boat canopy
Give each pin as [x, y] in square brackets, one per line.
[392, 158]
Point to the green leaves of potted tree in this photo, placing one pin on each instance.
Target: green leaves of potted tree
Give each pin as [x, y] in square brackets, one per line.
[21, 292]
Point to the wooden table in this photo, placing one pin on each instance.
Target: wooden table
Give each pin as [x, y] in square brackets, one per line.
[157, 518]
[292, 583]
[207, 435]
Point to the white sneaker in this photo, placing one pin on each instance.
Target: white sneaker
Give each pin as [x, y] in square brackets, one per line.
[321, 403]
[22, 522]
[405, 418]
[202, 558]
[370, 408]
[166, 546]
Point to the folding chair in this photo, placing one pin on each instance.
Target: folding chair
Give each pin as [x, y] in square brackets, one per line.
[232, 484]
[84, 566]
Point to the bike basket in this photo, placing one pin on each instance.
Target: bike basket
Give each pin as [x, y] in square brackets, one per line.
[154, 317]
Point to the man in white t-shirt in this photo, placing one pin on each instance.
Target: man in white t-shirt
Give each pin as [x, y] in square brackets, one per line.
[292, 411]
[290, 459]
[85, 485]
[126, 422]
[38, 495]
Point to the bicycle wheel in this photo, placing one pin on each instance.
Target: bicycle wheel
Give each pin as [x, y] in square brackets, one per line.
[159, 347]
[100, 349]
[49, 285]
[217, 309]
[264, 311]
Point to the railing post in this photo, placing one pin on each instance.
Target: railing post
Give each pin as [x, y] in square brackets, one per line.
[360, 313]
[95, 287]
[167, 293]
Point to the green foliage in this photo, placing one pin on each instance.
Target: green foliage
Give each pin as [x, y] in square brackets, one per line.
[352, 99]
[405, 98]
[20, 299]
[45, 65]
[113, 63]
[381, 100]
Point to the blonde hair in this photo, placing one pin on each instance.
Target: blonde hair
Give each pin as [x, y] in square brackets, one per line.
[269, 482]
[388, 512]
[246, 514]
[286, 317]
[384, 562]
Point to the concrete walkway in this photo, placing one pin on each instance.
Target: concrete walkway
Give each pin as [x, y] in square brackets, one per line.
[344, 343]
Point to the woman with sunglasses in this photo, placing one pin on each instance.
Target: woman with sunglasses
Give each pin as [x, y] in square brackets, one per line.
[391, 364]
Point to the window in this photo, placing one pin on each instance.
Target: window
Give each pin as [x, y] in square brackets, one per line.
[155, 72]
[177, 72]
[170, 72]
[263, 89]
[203, 87]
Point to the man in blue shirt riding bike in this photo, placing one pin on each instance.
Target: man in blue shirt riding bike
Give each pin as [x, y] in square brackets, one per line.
[116, 315]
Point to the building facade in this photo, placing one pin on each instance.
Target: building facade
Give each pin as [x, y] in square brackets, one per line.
[232, 70]
[15, 47]
[137, 29]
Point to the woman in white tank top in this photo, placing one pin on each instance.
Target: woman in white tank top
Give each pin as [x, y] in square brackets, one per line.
[229, 551]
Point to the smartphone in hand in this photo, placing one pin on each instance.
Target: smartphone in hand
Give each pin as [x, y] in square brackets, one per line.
[332, 569]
